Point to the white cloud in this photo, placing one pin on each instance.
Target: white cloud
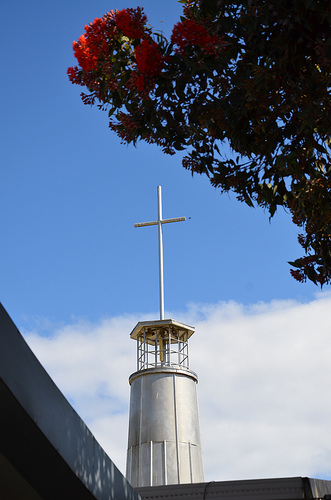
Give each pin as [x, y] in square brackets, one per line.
[264, 381]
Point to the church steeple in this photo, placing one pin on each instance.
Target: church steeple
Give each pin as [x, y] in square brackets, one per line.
[164, 444]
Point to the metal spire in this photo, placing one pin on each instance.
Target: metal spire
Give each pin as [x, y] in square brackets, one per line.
[159, 223]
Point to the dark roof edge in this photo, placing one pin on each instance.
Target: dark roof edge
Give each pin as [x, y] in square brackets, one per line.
[25, 381]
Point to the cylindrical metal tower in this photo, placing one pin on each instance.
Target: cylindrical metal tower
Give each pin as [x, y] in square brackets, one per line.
[164, 445]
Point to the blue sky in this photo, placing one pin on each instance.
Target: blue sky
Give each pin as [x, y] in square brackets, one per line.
[70, 194]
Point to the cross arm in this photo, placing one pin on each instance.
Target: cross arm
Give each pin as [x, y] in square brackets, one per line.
[163, 221]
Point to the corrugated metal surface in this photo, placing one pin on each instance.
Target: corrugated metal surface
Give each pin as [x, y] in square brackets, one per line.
[164, 445]
[295, 488]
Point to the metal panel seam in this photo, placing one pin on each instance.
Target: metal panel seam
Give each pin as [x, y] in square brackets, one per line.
[176, 428]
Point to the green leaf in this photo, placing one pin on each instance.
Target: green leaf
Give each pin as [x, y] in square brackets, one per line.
[296, 263]
[320, 148]
[178, 146]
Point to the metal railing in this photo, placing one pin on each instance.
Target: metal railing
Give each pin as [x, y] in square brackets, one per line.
[164, 347]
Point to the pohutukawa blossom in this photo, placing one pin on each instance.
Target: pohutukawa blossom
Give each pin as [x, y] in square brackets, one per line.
[188, 33]
[149, 59]
[132, 22]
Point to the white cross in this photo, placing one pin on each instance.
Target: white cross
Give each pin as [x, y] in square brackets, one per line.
[159, 223]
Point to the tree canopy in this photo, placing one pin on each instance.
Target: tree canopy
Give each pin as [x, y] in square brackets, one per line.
[255, 74]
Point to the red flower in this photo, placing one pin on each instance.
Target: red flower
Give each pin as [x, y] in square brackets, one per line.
[149, 60]
[85, 58]
[131, 22]
[149, 63]
[298, 275]
[74, 77]
[189, 32]
[97, 36]
[92, 45]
